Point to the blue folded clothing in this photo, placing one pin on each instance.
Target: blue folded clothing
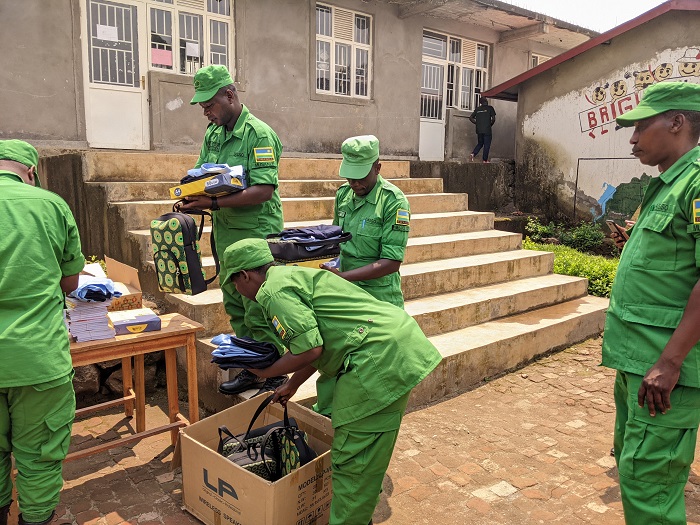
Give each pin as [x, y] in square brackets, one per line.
[94, 289]
[242, 352]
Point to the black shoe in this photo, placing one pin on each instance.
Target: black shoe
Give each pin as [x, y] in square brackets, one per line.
[271, 383]
[242, 382]
[4, 513]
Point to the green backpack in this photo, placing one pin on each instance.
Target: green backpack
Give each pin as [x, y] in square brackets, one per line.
[176, 253]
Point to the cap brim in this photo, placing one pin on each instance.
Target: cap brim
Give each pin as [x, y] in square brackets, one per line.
[354, 171]
[203, 96]
[639, 113]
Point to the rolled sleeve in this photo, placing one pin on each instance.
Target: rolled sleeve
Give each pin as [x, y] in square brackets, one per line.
[72, 260]
[294, 322]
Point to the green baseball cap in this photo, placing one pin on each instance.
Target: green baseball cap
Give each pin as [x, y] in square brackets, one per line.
[662, 97]
[245, 254]
[22, 152]
[359, 153]
[208, 80]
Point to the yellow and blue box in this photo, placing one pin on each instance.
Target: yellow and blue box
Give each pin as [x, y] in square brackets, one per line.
[214, 186]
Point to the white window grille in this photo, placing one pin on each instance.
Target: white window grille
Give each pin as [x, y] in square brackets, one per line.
[188, 34]
[455, 71]
[343, 52]
[536, 60]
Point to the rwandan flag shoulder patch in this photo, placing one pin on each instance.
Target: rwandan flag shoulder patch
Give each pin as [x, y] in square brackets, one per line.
[279, 328]
[696, 211]
[264, 154]
[403, 217]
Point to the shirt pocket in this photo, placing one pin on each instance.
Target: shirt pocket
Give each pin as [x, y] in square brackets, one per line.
[369, 239]
[245, 218]
[657, 246]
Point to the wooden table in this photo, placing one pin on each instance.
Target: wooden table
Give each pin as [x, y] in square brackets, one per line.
[176, 331]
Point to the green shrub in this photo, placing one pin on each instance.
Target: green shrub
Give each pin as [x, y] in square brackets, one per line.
[585, 237]
[600, 271]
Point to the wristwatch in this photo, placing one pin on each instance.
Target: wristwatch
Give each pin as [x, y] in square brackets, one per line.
[214, 204]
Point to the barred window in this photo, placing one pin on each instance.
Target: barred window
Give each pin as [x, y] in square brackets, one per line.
[186, 35]
[343, 52]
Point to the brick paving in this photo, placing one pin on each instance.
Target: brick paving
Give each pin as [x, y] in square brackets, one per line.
[529, 447]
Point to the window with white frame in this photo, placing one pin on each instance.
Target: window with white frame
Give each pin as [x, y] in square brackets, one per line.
[185, 35]
[454, 73]
[343, 52]
[536, 60]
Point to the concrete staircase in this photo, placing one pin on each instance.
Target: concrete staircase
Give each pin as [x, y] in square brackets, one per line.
[486, 304]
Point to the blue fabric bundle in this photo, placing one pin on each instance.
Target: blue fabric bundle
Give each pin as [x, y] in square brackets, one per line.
[242, 352]
[94, 289]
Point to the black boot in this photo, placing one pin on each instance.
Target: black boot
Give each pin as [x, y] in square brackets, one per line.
[45, 522]
[243, 381]
[271, 383]
[4, 513]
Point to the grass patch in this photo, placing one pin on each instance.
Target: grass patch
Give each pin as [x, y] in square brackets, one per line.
[600, 271]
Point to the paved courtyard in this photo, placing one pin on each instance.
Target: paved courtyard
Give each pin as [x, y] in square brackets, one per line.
[529, 447]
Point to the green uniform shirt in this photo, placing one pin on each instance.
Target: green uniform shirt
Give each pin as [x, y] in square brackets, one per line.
[658, 269]
[39, 246]
[255, 146]
[376, 351]
[379, 223]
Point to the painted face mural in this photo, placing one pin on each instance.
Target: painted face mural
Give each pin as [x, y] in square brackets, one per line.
[599, 94]
[642, 79]
[663, 71]
[618, 89]
[689, 69]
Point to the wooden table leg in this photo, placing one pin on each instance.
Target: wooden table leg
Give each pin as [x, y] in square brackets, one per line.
[171, 383]
[140, 387]
[192, 383]
[128, 386]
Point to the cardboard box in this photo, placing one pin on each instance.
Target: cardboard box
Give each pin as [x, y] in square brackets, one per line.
[217, 491]
[126, 281]
[134, 321]
[214, 186]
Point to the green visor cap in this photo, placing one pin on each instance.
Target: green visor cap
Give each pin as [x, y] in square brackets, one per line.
[246, 254]
[22, 152]
[208, 80]
[662, 97]
[359, 153]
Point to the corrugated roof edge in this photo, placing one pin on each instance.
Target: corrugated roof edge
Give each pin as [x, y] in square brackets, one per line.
[508, 90]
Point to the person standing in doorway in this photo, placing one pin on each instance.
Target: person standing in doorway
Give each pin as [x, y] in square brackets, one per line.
[236, 137]
[40, 259]
[651, 328]
[484, 117]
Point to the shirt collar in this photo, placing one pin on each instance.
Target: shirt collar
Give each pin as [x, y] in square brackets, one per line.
[680, 165]
[371, 197]
[10, 175]
[240, 123]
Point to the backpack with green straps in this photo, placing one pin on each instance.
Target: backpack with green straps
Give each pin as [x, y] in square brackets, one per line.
[176, 253]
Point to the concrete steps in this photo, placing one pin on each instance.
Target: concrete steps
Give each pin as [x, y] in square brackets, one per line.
[473, 353]
[417, 280]
[159, 190]
[487, 305]
[139, 213]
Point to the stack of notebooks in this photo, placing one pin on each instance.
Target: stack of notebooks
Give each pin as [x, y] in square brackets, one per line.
[88, 321]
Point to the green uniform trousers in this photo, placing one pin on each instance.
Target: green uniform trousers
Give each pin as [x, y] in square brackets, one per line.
[654, 454]
[360, 456]
[35, 427]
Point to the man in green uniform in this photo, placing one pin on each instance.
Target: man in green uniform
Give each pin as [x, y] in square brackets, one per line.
[483, 117]
[236, 137]
[40, 259]
[377, 214]
[652, 329]
[376, 351]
